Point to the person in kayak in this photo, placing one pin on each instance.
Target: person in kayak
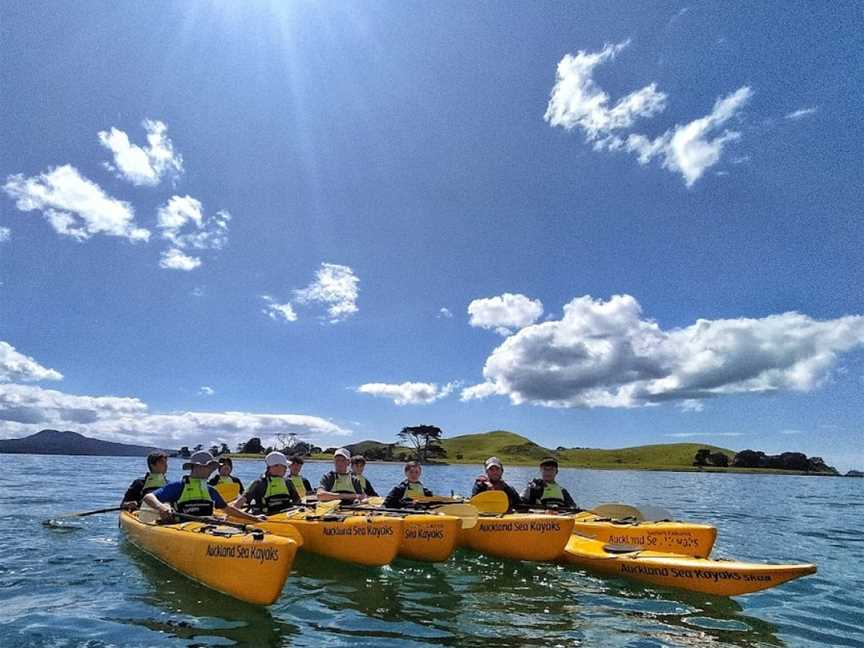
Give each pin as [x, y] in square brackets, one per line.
[192, 495]
[272, 492]
[358, 463]
[301, 484]
[154, 479]
[545, 492]
[411, 488]
[340, 484]
[229, 486]
[492, 480]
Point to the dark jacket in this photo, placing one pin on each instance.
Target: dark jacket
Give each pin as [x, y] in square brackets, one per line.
[533, 496]
[328, 481]
[396, 497]
[512, 495]
[254, 496]
[369, 490]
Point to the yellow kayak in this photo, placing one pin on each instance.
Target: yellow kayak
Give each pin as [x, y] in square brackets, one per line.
[689, 539]
[519, 536]
[362, 539]
[429, 537]
[719, 577]
[249, 565]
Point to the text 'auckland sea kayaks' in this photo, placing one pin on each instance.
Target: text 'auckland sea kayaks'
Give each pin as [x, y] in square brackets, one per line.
[519, 536]
[371, 540]
[686, 538]
[719, 577]
[249, 565]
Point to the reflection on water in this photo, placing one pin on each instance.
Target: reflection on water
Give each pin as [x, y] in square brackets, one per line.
[192, 611]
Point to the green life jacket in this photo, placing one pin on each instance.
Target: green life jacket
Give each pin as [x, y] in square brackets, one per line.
[277, 497]
[362, 481]
[299, 486]
[195, 498]
[552, 495]
[227, 488]
[343, 484]
[414, 490]
[153, 482]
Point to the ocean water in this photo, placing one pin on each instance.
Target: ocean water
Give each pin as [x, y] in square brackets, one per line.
[82, 584]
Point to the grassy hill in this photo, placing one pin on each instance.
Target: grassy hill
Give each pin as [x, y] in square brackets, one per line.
[517, 450]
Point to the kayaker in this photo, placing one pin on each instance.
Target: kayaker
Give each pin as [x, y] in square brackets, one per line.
[340, 484]
[545, 492]
[192, 495]
[272, 492]
[301, 484]
[229, 486]
[491, 480]
[154, 479]
[358, 463]
[410, 489]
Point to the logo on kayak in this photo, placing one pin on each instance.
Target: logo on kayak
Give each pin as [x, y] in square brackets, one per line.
[241, 552]
[426, 532]
[543, 526]
[692, 574]
[369, 530]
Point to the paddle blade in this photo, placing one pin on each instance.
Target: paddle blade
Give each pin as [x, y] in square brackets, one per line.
[324, 508]
[618, 511]
[467, 512]
[493, 501]
[375, 501]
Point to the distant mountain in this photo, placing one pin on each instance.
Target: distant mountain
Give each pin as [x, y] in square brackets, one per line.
[70, 443]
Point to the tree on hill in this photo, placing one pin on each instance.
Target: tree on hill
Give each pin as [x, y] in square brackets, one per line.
[425, 440]
[184, 452]
[253, 446]
[701, 458]
[224, 449]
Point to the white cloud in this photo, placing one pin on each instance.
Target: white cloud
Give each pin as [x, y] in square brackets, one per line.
[38, 406]
[174, 259]
[206, 391]
[691, 405]
[445, 313]
[336, 287]
[801, 113]
[5, 234]
[791, 431]
[576, 101]
[15, 366]
[604, 354]
[504, 313]
[143, 165]
[408, 393]
[277, 311]
[186, 213]
[690, 149]
[74, 205]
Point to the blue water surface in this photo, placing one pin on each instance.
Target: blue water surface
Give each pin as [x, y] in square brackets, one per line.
[80, 583]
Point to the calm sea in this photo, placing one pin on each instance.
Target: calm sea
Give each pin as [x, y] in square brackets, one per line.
[84, 585]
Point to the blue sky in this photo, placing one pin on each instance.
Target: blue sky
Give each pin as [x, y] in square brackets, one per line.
[595, 225]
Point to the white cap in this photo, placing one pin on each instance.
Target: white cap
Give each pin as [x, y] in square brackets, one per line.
[276, 459]
[494, 461]
[342, 452]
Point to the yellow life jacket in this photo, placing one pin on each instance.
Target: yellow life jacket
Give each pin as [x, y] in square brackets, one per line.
[299, 486]
[343, 484]
[227, 488]
[552, 494]
[153, 482]
[414, 490]
[195, 498]
[277, 497]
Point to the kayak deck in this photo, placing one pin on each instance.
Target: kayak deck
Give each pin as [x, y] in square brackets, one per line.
[250, 566]
[685, 538]
[429, 537]
[519, 536]
[371, 540]
[718, 577]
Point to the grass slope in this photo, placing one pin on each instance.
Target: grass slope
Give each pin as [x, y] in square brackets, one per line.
[515, 449]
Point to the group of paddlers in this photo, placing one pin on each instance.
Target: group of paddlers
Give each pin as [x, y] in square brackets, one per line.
[281, 486]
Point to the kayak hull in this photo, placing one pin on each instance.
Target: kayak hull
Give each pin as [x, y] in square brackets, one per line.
[684, 538]
[239, 565]
[430, 538]
[519, 536]
[360, 539]
[717, 577]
